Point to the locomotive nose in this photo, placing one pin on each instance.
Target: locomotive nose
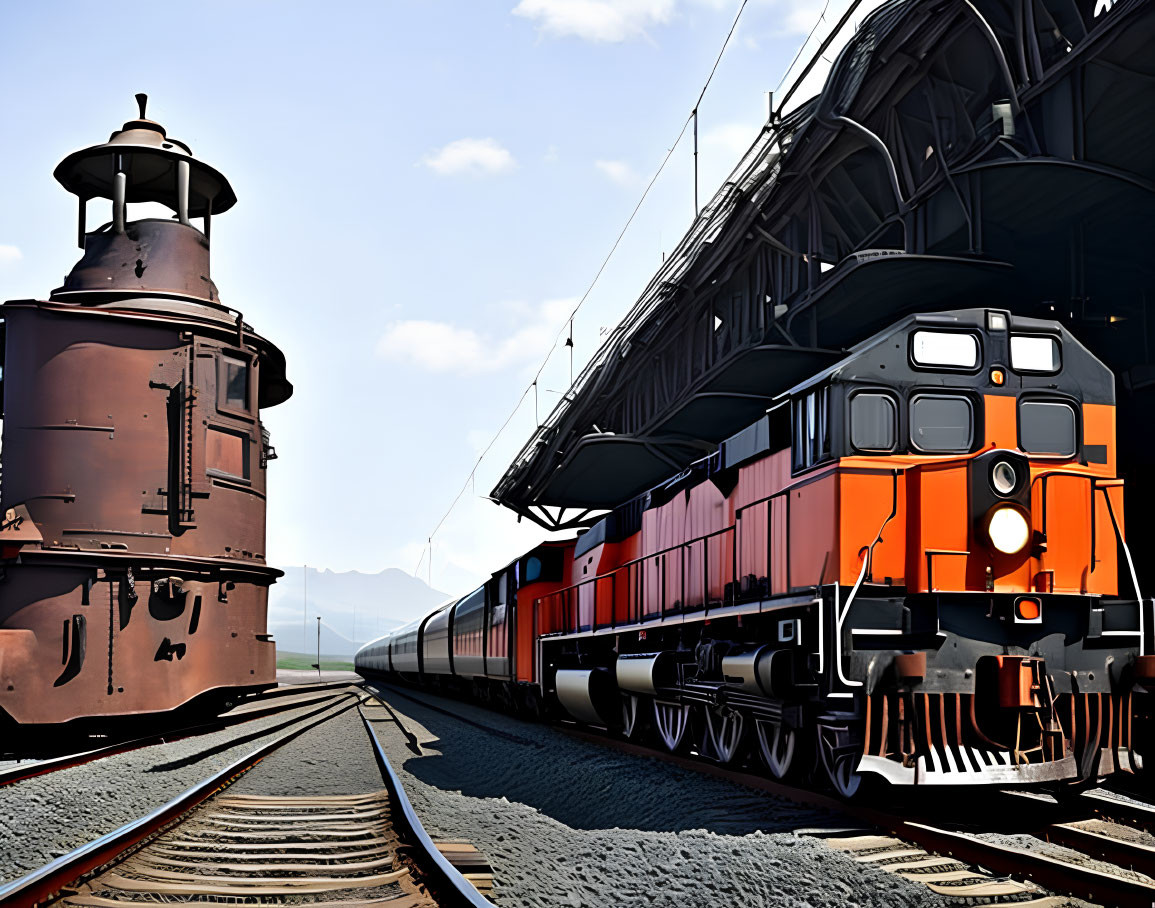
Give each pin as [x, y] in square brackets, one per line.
[1000, 495]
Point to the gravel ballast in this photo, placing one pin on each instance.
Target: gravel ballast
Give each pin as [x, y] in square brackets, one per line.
[332, 759]
[47, 816]
[565, 822]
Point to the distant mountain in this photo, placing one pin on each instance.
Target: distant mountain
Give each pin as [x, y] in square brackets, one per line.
[354, 607]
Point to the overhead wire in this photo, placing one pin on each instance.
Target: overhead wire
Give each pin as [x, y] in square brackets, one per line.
[568, 323]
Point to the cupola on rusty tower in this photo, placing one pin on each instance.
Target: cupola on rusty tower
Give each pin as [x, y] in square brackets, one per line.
[132, 570]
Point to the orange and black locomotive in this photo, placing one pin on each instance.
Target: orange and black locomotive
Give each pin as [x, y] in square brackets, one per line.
[913, 566]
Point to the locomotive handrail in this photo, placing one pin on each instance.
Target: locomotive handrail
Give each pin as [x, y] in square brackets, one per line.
[1130, 563]
[568, 601]
[635, 603]
[868, 556]
[1098, 484]
[570, 620]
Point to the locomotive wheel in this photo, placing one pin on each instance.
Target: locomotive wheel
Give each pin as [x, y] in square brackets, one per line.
[838, 750]
[779, 747]
[670, 721]
[631, 716]
[722, 733]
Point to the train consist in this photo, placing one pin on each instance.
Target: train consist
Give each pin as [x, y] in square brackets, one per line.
[912, 567]
[132, 569]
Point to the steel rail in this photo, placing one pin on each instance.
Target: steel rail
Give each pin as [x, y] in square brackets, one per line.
[1119, 810]
[453, 889]
[35, 768]
[1102, 845]
[284, 690]
[1049, 872]
[46, 882]
[1056, 826]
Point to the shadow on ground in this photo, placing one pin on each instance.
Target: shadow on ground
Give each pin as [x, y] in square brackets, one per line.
[486, 754]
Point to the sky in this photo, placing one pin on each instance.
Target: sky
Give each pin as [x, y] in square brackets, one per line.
[426, 188]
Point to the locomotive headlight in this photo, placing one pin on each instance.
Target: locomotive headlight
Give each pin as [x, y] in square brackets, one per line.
[1008, 529]
[1004, 477]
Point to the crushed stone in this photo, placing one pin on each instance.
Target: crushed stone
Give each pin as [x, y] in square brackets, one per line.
[332, 759]
[47, 816]
[565, 822]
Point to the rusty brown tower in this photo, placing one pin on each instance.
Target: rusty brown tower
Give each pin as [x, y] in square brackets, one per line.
[132, 569]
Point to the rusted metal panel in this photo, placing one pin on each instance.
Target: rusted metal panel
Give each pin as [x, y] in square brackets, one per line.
[133, 575]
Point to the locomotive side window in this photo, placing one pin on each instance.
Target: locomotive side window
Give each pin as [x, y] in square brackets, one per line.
[545, 565]
[942, 423]
[233, 381]
[227, 452]
[1047, 427]
[952, 349]
[1035, 354]
[468, 625]
[811, 429]
[873, 421]
[497, 616]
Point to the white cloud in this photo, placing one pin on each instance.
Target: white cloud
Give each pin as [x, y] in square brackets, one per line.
[609, 21]
[618, 171]
[470, 156]
[614, 21]
[434, 346]
[442, 347]
[9, 255]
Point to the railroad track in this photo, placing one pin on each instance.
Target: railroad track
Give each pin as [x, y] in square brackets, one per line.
[269, 704]
[210, 846]
[1101, 851]
[1005, 847]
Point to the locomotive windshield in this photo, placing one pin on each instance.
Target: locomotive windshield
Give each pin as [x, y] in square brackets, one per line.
[1047, 427]
[952, 349]
[873, 422]
[812, 428]
[1035, 354]
[942, 423]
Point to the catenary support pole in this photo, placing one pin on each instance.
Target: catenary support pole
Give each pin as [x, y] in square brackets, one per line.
[696, 209]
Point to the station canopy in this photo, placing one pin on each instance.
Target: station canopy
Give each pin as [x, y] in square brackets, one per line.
[955, 154]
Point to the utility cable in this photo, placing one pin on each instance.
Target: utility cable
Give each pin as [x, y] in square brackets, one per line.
[568, 323]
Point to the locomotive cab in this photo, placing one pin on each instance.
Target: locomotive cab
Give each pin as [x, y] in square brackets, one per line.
[963, 467]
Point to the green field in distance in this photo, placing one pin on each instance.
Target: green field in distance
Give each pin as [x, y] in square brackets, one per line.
[301, 661]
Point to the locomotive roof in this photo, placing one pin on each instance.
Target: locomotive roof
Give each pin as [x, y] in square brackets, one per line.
[1081, 370]
[151, 155]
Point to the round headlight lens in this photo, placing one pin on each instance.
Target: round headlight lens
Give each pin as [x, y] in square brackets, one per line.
[1008, 530]
[1004, 478]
